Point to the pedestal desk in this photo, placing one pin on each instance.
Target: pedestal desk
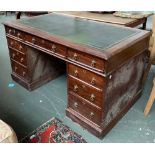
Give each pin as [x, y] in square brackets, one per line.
[105, 64]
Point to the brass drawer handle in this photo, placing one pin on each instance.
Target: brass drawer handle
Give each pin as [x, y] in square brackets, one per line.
[18, 35]
[33, 40]
[16, 68]
[92, 97]
[75, 104]
[76, 73]
[12, 43]
[75, 56]
[22, 59]
[93, 63]
[43, 41]
[92, 114]
[10, 31]
[20, 47]
[24, 73]
[53, 48]
[13, 55]
[93, 81]
[75, 88]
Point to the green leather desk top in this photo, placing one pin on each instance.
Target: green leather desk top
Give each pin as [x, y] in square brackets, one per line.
[79, 31]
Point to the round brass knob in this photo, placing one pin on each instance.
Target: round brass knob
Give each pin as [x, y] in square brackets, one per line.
[16, 68]
[10, 30]
[53, 48]
[91, 114]
[75, 104]
[20, 47]
[43, 41]
[22, 59]
[12, 43]
[75, 56]
[18, 35]
[92, 97]
[93, 63]
[76, 73]
[13, 55]
[24, 73]
[75, 88]
[33, 40]
[93, 81]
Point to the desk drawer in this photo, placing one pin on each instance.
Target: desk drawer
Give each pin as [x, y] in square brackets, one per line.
[53, 47]
[16, 45]
[19, 34]
[95, 96]
[16, 33]
[19, 57]
[91, 61]
[86, 75]
[19, 70]
[38, 41]
[84, 108]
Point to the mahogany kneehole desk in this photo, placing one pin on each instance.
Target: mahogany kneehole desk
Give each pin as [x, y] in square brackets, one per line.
[105, 64]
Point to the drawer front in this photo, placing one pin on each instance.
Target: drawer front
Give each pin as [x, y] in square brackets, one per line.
[10, 31]
[87, 92]
[60, 50]
[19, 34]
[85, 109]
[16, 33]
[87, 76]
[16, 45]
[38, 41]
[19, 57]
[91, 61]
[53, 47]
[19, 70]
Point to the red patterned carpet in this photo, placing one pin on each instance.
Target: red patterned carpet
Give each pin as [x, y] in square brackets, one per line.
[53, 131]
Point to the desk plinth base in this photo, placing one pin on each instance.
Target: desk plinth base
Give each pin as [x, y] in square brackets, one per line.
[35, 84]
[101, 131]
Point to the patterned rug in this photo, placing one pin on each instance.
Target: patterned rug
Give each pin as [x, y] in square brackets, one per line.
[53, 131]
